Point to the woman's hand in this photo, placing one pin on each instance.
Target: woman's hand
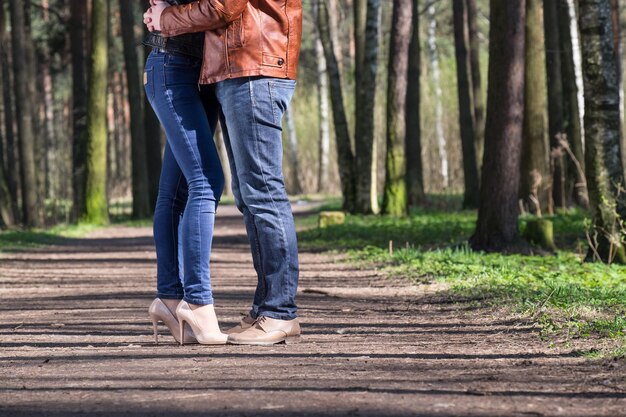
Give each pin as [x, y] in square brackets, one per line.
[152, 17]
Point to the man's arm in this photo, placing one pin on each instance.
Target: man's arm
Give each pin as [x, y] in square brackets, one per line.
[200, 16]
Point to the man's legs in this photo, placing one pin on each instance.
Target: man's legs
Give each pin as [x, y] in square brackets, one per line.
[255, 248]
[252, 111]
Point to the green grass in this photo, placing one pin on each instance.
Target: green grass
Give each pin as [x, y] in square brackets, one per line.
[562, 293]
[19, 239]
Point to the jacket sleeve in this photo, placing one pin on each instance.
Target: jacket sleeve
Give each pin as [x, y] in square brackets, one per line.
[200, 16]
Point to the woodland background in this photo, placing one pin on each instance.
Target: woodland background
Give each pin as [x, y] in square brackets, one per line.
[391, 108]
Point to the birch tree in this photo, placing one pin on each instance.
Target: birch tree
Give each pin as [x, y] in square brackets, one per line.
[433, 60]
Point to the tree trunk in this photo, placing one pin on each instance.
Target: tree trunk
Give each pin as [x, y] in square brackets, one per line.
[366, 201]
[11, 174]
[335, 16]
[617, 45]
[96, 210]
[556, 124]
[617, 30]
[359, 8]
[51, 140]
[477, 90]
[30, 206]
[394, 198]
[140, 187]
[78, 35]
[345, 157]
[6, 210]
[324, 115]
[6, 214]
[292, 139]
[118, 170]
[496, 228]
[433, 59]
[466, 116]
[35, 97]
[413, 145]
[3, 147]
[114, 141]
[576, 183]
[605, 174]
[536, 180]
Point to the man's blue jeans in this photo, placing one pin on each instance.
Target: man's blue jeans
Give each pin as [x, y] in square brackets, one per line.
[191, 180]
[252, 111]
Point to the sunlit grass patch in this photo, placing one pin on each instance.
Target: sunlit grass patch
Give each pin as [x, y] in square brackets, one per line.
[561, 292]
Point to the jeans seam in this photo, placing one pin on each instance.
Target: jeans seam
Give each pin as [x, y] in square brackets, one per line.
[256, 143]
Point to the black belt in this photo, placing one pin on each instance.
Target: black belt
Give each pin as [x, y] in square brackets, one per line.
[189, 44]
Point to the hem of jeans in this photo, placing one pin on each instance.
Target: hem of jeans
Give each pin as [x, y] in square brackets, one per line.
[253, 313]
[199, 301]
[277, 316]
[170, 296]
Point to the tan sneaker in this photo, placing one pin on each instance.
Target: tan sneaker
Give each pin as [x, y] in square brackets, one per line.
[267, 331]
[244, 324]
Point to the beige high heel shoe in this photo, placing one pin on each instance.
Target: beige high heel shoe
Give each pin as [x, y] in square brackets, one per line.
[206, 333]
[158, 311]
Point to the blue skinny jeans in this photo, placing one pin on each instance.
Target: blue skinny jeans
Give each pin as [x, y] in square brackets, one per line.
[191, 181]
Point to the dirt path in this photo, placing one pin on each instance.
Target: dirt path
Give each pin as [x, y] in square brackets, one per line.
[75, 340]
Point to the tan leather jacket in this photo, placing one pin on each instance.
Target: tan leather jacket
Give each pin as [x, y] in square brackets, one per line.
[243, 38]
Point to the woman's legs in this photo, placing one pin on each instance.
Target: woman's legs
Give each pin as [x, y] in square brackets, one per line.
[173, 91]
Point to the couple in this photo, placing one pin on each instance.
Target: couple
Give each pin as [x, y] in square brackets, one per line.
[234, 60]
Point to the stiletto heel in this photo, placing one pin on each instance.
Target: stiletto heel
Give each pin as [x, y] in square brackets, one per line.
[181, 330]
[206, 333]
[155, 328]
[158, 311]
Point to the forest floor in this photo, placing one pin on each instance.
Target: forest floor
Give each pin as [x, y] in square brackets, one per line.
[75, 339]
